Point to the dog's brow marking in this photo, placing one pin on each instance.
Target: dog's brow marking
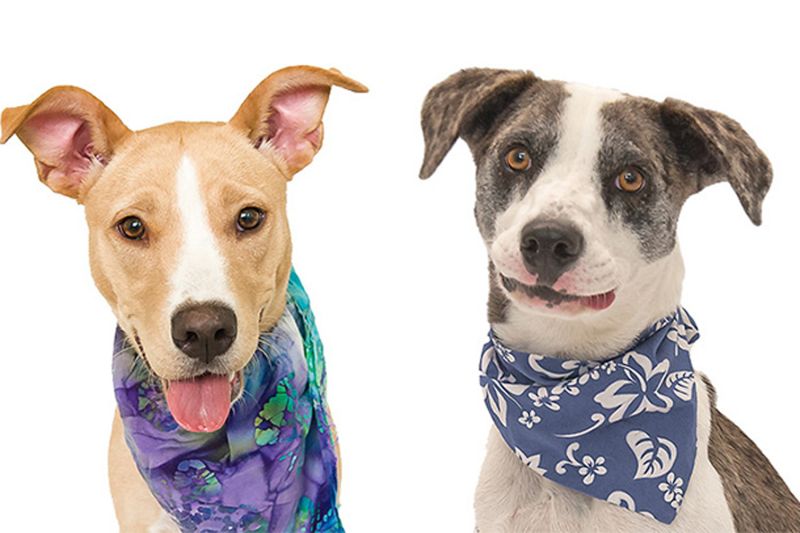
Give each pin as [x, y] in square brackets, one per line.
[562, 184]
[200, 274]
[581, 130]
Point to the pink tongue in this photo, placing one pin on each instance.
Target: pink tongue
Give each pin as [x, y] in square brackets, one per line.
[200, 404]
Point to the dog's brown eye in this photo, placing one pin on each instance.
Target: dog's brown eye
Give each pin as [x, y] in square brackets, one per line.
[518, 159]
[630, 180]
[131, 228]
[249, 219]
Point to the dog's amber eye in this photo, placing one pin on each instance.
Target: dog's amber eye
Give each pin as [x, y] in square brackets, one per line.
[518, 159]
[131, 228]
[249, 219]
[630, 180]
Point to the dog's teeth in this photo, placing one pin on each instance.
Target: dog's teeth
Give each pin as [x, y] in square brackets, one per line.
[231, 376]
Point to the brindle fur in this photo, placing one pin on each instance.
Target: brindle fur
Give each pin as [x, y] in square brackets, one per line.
[757, 495]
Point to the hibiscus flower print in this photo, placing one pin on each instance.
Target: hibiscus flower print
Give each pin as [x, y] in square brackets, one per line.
[586, 370]
[639, 391]
[672, 489]
[543, 398]
[588, 467]
[591, 467]
[529, 419]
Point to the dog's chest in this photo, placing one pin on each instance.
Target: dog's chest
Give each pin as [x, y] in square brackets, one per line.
[511, 497]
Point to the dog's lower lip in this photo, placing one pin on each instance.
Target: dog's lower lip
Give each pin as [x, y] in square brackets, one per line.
[596, 302]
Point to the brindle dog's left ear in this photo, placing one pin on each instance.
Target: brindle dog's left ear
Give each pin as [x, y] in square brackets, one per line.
[467, 105]
[712, 147]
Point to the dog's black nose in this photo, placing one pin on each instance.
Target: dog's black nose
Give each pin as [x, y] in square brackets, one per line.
[549, 248]
[204, 331]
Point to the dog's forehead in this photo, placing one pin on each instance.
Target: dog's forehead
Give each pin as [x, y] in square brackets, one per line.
[580, 131]
[150, 158]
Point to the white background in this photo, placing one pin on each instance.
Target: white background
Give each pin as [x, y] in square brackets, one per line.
[394, 266]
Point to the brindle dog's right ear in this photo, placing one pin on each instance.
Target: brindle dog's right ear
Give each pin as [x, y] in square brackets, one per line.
[467, 105]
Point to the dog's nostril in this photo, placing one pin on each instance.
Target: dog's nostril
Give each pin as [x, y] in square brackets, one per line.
[221, 334]
[531, 245]
[204, 331]
[561, 249]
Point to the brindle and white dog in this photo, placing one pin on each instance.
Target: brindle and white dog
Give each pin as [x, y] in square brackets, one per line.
[578, 196]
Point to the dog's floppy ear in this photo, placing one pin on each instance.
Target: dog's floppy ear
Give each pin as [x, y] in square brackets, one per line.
[284, 112]
[68, 130]
[466, 105]
[712, 147]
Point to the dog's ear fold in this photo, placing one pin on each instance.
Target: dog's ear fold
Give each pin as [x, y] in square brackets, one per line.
[712, 147]
[284, 112]
[466, 105]
[68, 130]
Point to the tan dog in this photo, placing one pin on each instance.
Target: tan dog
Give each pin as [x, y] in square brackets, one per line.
[189, 239]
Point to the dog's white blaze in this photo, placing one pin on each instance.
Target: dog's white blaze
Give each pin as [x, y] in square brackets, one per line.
[566, 190]
[564, 186]
[200, 272]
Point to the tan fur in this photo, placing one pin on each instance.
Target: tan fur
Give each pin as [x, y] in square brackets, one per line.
[134, 505]
[134, 174]
[140, 181]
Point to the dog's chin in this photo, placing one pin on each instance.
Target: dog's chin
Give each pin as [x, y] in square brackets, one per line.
[542, 299]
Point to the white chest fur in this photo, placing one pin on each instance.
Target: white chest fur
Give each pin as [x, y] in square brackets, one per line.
[512, 498]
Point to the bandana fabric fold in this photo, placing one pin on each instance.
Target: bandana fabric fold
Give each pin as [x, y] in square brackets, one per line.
[271, 467]
[622, 430]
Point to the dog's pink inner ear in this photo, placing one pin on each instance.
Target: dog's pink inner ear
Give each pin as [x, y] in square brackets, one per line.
[62, 144]
[295, 125]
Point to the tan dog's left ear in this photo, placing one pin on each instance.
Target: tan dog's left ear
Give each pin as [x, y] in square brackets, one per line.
[284, 112]
[68, 130]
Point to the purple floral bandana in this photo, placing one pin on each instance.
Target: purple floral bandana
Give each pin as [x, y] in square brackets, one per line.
[622, 430]
[271, 467]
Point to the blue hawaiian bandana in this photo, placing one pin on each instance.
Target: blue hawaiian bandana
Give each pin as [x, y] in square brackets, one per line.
[622, 430]
[271, 467]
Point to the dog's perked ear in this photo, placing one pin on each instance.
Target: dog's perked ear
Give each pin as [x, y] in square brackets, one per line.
[467, 105]
[69, 131]
[712, 147]
[284, 112]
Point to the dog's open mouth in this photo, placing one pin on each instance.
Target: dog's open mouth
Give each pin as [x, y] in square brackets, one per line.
[201, 404]
[554, 298]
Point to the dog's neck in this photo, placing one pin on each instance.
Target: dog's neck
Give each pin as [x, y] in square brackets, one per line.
[652, 293]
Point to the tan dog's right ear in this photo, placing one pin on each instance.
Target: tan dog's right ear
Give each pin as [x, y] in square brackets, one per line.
[68, 130]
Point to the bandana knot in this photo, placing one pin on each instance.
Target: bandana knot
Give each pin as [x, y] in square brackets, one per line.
[622, 430]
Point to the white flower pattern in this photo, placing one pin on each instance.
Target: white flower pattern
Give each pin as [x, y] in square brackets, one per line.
[672, 489]
[640, 389]
[529, 419]
[588, 467]
[576, 402]
[591, 467]
[544, 398]
[531, 461]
